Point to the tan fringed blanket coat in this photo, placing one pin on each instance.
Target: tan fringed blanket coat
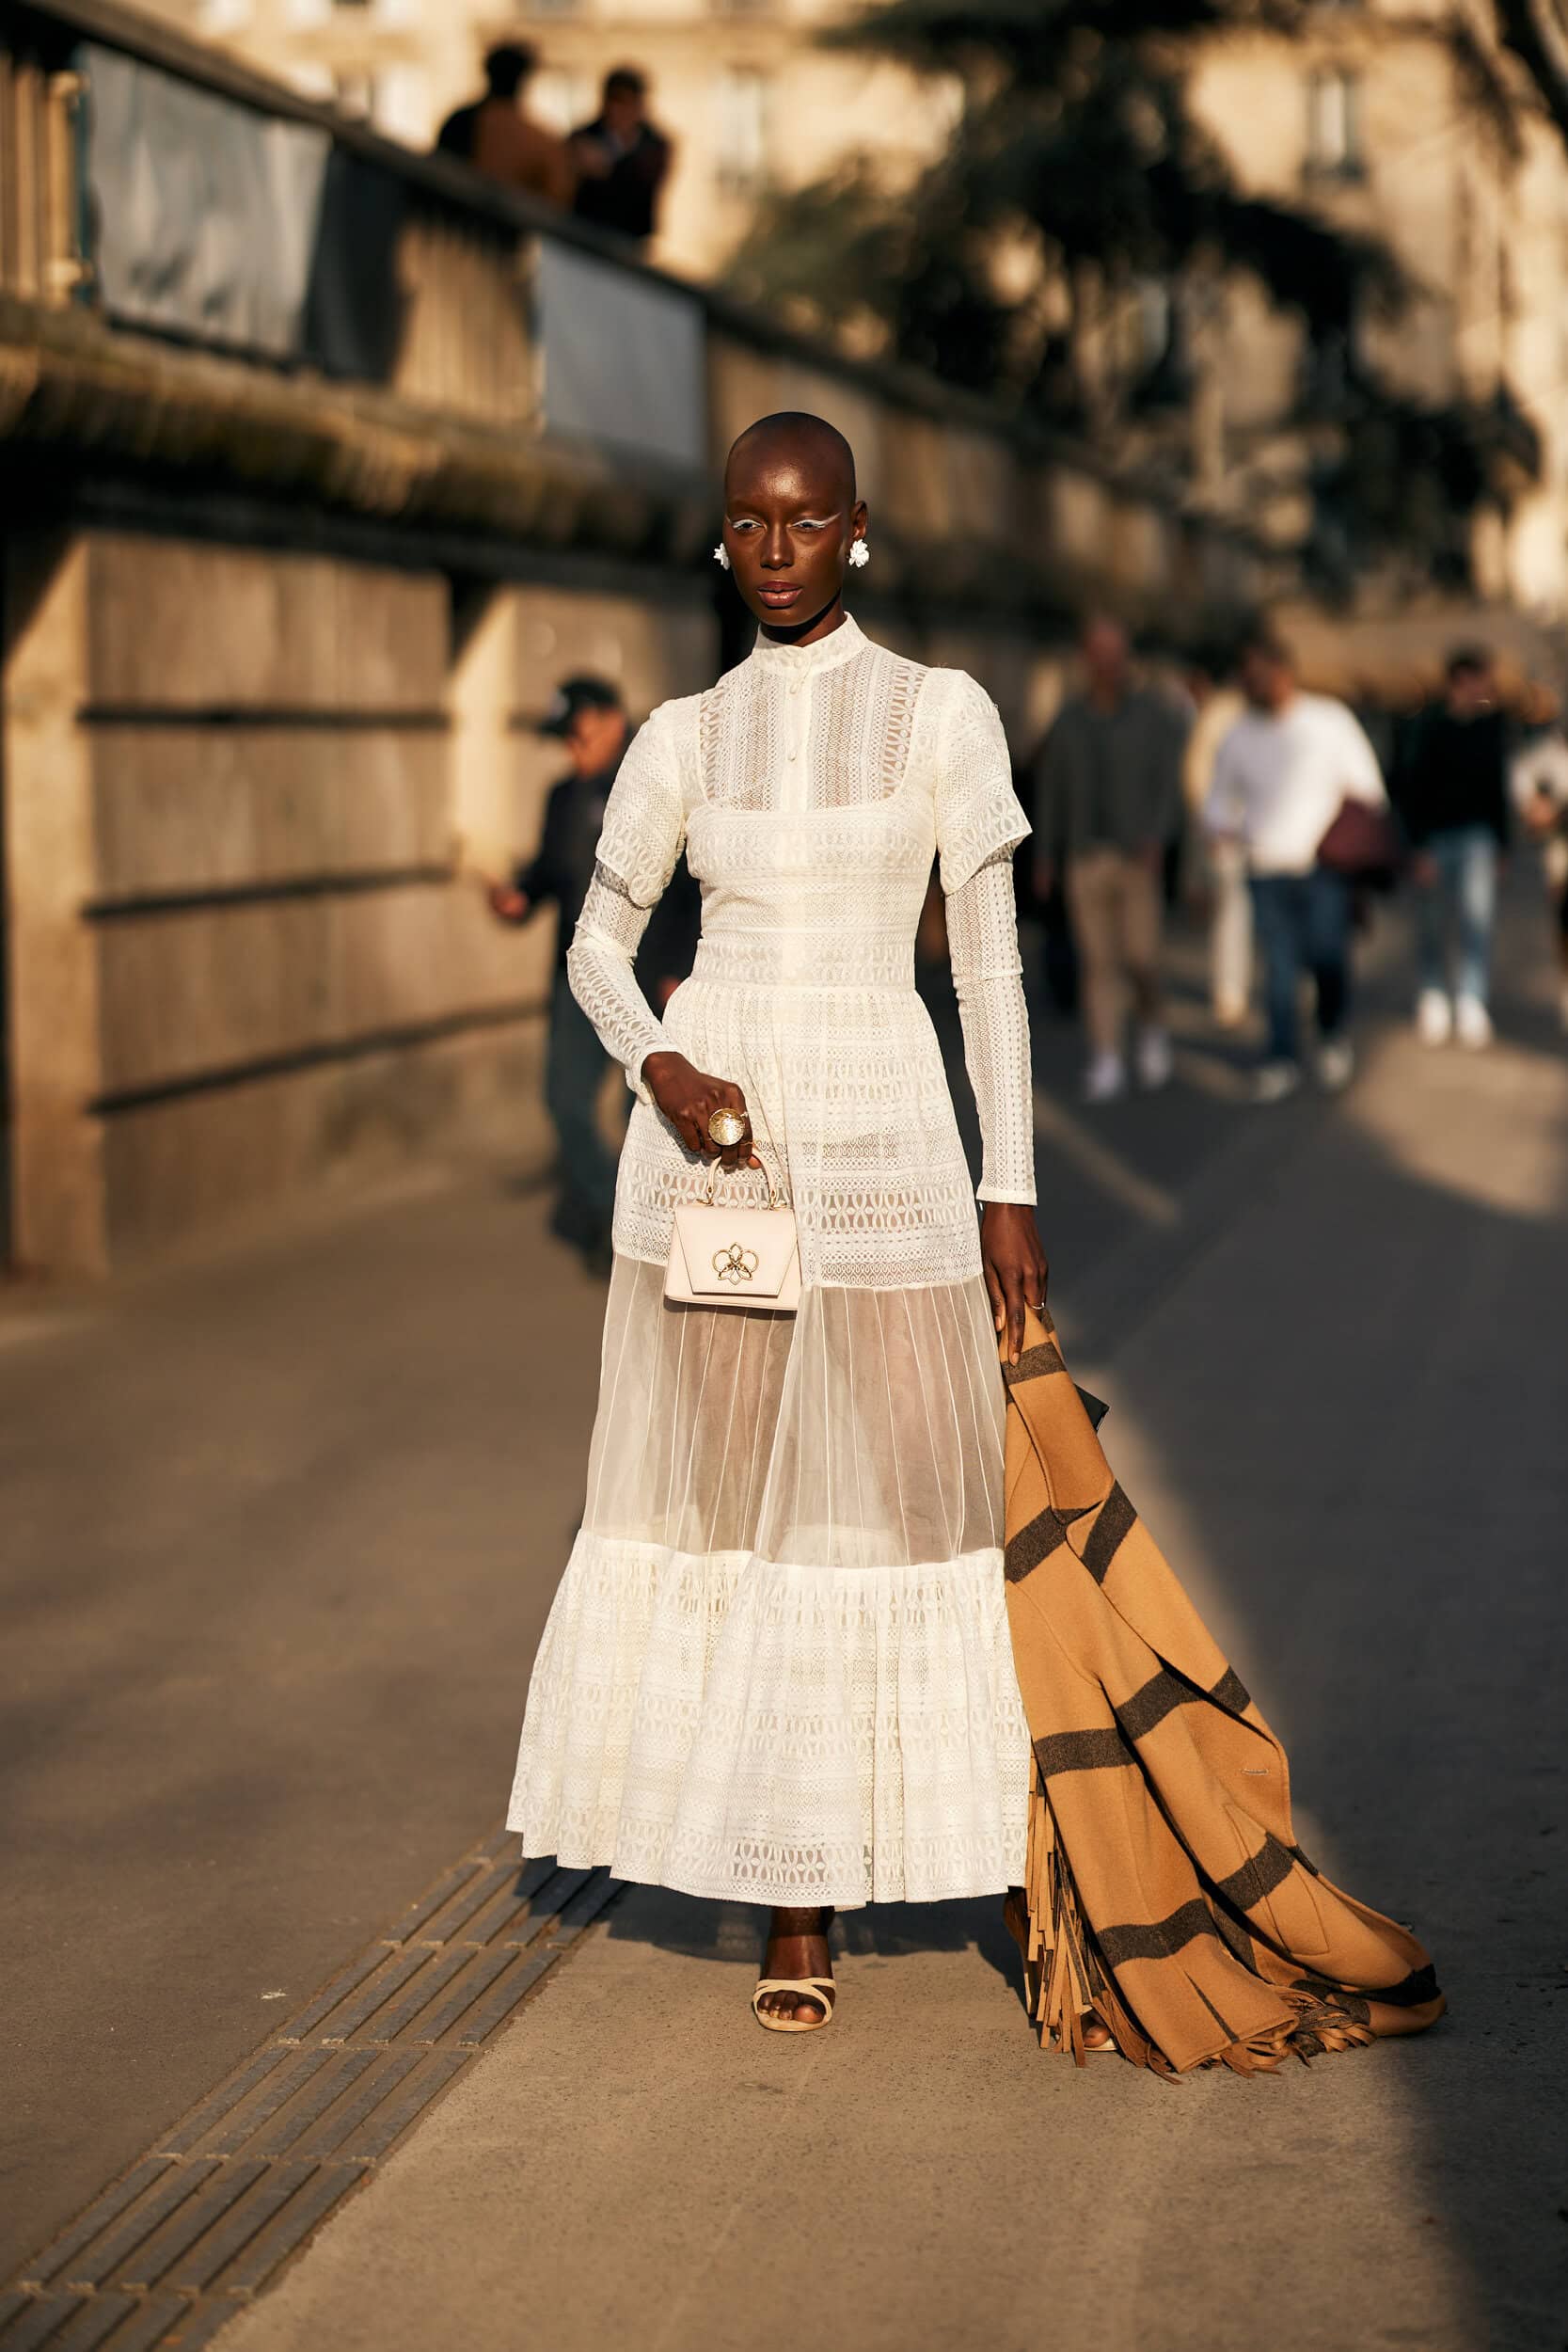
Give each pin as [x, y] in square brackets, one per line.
[1166, 1892]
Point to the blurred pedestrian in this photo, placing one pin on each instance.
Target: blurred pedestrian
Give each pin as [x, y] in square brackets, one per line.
[1537, 780]
[1108, 800]
[620, 161]
[500, 138]
[1281, 775]
[1450, 788]
[1216, 706]
[587, 715]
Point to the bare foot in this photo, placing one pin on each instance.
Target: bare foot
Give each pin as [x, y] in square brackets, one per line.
[1097, 2035]
[797, 1947]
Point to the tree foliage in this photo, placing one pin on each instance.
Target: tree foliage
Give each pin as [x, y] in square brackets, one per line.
[1076, 171]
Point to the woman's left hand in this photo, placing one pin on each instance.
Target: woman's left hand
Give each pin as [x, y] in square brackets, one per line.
[1015, 1265]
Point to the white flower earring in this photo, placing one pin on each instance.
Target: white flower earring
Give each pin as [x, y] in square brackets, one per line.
[721, 556]
[859, 553]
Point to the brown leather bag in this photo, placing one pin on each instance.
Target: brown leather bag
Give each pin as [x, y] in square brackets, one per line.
[1363, 843]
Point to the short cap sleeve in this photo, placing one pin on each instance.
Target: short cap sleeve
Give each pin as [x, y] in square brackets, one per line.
[978, 814]
[644, 819]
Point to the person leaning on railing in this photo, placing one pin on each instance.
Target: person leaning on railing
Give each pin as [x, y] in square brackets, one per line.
[622, 162]
[501, 140]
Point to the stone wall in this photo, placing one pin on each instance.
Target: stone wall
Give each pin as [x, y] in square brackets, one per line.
[248, 795]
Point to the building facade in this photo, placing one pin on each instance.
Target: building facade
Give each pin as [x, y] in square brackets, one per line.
[1409, 119]
[1415, 124]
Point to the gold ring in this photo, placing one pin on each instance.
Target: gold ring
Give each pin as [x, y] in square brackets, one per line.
[725, 1126]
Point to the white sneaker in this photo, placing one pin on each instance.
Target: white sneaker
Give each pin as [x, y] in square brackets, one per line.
[1335, 1065]
[1105, 1078]
[1155, 1058]
[1473, 1023]
[1275, 1081]
[1433, 1017]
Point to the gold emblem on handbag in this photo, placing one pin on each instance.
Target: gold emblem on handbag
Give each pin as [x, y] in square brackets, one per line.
[736, 1255]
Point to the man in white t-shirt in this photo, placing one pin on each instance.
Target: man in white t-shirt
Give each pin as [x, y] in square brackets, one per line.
[1280, 777]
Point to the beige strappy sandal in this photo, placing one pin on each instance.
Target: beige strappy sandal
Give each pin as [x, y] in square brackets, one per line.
[819, 1989]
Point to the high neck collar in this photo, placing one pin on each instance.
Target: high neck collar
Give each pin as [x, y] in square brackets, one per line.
[824, 653]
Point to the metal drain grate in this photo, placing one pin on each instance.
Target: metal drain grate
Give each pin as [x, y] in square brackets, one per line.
[168, 2253]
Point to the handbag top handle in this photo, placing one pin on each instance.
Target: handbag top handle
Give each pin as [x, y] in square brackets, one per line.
[775, 1198]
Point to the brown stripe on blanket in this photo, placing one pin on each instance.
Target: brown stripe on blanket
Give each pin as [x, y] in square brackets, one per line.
[1034, 1543]
[1152, 1702]
[1157, 1939]
[1035, 1362]
[1167, 1954]
[1116, 1522]
[1257, 1877]
[1080, 1752]
[1418, 1988]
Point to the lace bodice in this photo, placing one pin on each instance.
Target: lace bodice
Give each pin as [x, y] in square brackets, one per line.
[811, 788]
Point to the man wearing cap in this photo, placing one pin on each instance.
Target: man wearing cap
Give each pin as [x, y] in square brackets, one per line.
[587, 714]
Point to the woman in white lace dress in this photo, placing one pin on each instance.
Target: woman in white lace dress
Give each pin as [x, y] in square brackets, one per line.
[778, 1668]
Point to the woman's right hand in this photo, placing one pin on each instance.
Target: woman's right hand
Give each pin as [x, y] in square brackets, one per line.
[687, 1098]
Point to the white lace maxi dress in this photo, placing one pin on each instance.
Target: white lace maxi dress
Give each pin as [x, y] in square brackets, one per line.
[777, 1669]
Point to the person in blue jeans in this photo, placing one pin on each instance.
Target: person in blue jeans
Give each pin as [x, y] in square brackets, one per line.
[588, 719]
[1280, 777]
[1451, 789]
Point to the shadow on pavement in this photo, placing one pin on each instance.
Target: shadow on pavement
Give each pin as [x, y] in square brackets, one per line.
[1346, 1429]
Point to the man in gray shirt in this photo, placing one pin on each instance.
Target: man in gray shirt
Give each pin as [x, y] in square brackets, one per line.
[1107, 803]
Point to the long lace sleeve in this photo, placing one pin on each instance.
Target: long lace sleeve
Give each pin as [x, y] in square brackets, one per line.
[645, 826]
[600, 966]
[979, 823]
[982, 937]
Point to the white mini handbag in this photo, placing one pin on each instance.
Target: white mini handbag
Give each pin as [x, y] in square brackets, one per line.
[734, 1256]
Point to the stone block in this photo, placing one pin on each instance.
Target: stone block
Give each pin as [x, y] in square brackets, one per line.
[203, 1162]
[215, 989]
[208, 808]
[982, 477]
[917, 483]
[650, 648]
[187, 626]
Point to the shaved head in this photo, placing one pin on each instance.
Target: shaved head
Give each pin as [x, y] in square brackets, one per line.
[791, 521]
[798, 437]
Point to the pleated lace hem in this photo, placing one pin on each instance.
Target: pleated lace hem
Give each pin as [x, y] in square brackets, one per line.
[751, 1732]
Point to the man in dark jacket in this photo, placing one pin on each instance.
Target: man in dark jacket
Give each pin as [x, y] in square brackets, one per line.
[622, 161]
[1450, 789]
[589, 717]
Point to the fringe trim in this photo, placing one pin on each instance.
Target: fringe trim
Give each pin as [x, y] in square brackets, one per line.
[1066, 1981]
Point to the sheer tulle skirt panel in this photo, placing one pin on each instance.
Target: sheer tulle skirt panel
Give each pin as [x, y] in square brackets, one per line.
[863, 1432]
[778, 1668]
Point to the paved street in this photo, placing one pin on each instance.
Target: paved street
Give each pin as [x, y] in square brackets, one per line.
[284, 1524]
